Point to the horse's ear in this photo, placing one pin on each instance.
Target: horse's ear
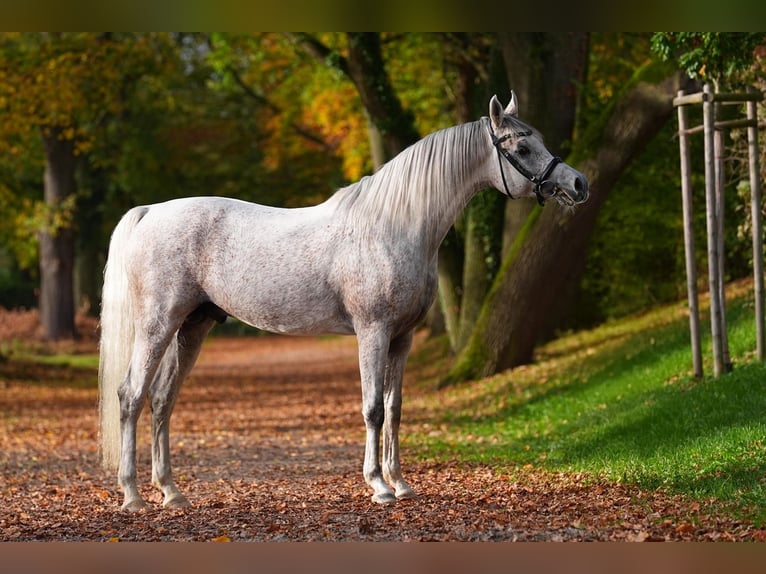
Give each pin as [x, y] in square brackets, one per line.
[513, 106]
[495, 112]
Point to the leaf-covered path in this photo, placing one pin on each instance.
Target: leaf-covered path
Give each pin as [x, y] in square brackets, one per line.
[268, 442]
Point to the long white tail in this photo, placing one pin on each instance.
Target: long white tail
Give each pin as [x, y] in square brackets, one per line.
[117, 333]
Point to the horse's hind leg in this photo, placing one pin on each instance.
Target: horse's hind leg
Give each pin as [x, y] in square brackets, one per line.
[145, 360]
[178, 362]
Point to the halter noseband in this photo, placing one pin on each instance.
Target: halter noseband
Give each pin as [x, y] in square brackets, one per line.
[544, 188]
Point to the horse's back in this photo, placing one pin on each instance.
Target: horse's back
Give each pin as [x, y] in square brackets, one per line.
[269, 267]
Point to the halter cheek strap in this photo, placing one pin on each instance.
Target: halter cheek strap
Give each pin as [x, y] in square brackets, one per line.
[542, 185]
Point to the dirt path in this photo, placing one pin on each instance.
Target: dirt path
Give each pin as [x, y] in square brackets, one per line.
[268, 444]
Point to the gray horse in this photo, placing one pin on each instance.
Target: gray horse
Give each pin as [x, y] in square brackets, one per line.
[363, 262]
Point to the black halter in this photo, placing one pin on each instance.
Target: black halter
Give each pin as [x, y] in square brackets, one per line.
[544, 188]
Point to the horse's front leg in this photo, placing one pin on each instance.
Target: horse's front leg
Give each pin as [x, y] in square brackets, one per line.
[373, 350]
[392, 472]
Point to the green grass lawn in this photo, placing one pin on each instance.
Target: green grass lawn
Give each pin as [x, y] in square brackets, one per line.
[620, 402]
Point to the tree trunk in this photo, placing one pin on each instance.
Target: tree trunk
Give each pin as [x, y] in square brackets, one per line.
[553, 243]
[57, 309]
[544, 69]
[483, 234]
[367, 70]
[450, 288]
[92, 184]
[377, 145]
[481, 248]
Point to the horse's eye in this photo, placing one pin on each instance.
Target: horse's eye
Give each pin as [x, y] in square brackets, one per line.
[522, 150]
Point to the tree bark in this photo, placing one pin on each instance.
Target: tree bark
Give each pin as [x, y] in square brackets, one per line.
[483, 234]
[544, 69]
[450, 288]
[366, 68]
[482, 230]
[553, 243]
[92, 184]
[57, 309]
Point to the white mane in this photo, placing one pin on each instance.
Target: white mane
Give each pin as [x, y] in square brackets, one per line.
[418, 186]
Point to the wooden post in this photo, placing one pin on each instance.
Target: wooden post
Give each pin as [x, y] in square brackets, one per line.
[691, 265]
[755, 203]
[714, 203]
[712, 231]
[720, 184]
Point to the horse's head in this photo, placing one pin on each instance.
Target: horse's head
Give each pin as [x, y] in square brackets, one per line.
[535, 172]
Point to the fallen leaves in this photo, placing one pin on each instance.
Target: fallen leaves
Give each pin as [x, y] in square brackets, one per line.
[268, 443]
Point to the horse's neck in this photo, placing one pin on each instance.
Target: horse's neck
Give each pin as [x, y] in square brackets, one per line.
[458, 172]
[420, 193]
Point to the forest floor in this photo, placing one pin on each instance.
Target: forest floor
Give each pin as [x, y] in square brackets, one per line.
[268, 441]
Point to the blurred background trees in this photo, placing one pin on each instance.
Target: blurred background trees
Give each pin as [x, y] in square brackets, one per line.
[92, 124]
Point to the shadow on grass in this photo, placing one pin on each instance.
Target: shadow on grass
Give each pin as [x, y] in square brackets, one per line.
[582, 380]
[704, 438]
[633, 412]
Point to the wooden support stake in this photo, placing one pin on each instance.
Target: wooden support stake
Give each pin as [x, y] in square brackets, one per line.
[691, 266]
[740, 123]
[712, 233]
[720, 184]
[722, 125]
[738, 97]
[714, 203]
[755, 206]
[688, 99]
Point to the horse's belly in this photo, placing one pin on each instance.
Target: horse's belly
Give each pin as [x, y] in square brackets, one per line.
[288, 314]
[286, 326]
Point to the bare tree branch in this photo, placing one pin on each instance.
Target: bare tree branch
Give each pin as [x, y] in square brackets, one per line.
[316, 49]
[252, 93]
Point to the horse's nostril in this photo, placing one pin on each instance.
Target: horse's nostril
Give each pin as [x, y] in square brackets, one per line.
[581, 187]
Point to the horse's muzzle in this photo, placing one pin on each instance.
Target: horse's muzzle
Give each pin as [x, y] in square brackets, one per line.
[581, 189]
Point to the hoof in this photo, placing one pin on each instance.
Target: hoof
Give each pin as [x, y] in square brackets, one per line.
[135, 505]
[176, 501]
[384, 498]
[406, 494]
